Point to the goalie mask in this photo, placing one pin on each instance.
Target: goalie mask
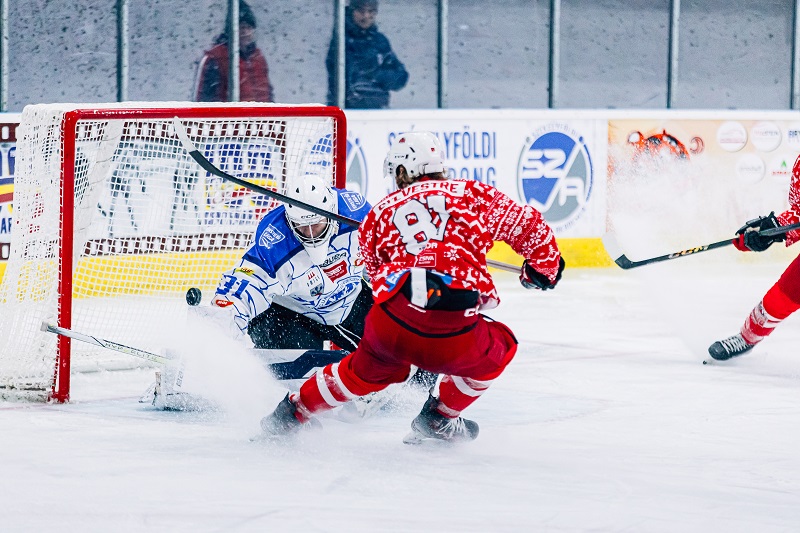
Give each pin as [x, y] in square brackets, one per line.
[420, 152]
[312, 230]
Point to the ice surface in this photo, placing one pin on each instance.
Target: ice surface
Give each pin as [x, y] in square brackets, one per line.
[605, 421]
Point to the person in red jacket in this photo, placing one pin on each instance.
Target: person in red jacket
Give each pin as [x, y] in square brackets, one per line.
[783, 298]
[424, 248]
[212, 73]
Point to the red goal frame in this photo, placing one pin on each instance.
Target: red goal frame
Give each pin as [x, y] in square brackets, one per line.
[61, 379]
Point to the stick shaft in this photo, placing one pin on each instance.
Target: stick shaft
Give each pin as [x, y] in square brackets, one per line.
[504, 266]
[111, 345]
[623, 262]
[284, 364]
[626, 263]
[780, 230]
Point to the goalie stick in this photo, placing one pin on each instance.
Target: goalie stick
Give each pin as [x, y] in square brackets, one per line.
[615, 251]
[284, 364]
[209, 167]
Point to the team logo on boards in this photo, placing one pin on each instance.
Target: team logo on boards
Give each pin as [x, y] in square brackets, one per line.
[6, 189]
[320, 158]
[356, 166]
[257, 162]
[555, 174]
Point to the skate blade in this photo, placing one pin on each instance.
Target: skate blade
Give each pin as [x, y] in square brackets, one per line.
[720, 362]
[414, 439]
[269, 437]
[312, 426]
[421, 441]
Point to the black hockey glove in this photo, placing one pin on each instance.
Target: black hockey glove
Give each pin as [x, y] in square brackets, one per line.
[531, 279]
[748, 238]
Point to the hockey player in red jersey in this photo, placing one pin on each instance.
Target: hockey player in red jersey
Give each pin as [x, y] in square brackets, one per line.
[424, 248]
[783, 298]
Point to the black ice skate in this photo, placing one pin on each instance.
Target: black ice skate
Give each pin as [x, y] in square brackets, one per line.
[430, 424]
[730, 347]
[282, 420]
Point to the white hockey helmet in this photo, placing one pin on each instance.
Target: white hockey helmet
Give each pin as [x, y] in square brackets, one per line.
[312, 190]
[420, 152]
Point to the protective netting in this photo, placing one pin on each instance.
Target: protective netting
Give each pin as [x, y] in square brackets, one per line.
[147, 224]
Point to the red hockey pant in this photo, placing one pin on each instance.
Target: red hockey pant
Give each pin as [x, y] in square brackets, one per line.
[781, 300]
[470, 350]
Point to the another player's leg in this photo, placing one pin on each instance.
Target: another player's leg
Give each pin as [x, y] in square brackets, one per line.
[440, 418]
[781, 300]
[333, 386]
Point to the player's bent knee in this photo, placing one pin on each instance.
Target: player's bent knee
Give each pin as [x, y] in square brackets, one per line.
[789, 282]
[363, 379]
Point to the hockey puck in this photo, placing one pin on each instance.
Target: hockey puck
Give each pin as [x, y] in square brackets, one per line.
[193, 296]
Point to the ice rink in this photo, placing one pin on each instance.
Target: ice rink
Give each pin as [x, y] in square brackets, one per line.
[605, 421]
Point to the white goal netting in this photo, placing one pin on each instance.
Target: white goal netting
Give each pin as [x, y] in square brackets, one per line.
[113, 221]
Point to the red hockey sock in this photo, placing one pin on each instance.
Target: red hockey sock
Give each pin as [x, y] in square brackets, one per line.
[456, 394]
[331, 387]
[769, 312]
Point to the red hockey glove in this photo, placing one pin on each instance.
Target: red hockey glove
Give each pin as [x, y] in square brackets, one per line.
[531, 279]
[748, 238]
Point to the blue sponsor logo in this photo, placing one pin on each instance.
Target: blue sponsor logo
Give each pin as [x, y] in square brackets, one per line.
[270, 237]
[246, 160]
[346, 287]
[354, 201]
[555, 174]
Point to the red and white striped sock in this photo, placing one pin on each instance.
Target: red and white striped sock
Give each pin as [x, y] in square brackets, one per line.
[767, 314]
[456, 394]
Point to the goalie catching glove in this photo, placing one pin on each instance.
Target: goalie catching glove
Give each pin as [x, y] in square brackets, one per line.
[532, 279]
[749, 239]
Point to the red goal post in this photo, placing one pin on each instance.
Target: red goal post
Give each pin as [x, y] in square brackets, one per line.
[113, 221]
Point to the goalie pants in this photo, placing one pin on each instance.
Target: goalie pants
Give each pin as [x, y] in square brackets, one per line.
[281, 328]
[469, 349]
[781, 300]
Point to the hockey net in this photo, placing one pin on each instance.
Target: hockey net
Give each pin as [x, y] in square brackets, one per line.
[114, 222]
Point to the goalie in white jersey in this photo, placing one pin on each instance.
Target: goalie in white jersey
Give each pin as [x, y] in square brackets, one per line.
[301, 281]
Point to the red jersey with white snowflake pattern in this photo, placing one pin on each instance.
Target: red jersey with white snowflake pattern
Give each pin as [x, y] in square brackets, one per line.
[792, 215]
[447, 226]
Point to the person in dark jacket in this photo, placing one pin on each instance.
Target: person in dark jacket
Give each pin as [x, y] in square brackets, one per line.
[212, 74]
[372, 68]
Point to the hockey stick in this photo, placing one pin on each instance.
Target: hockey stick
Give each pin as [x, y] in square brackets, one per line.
[135, 352]
[209, 167]
[284, 364]
[615, 251]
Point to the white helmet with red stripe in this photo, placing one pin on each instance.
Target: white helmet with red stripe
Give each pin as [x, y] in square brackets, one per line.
[420, 152]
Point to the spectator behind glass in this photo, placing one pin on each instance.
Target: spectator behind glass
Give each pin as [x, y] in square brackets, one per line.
[212, 73]
[371, 68]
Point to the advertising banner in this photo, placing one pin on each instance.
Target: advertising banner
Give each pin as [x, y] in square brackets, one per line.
[676, 182]
[8, 128]
[554, 164]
